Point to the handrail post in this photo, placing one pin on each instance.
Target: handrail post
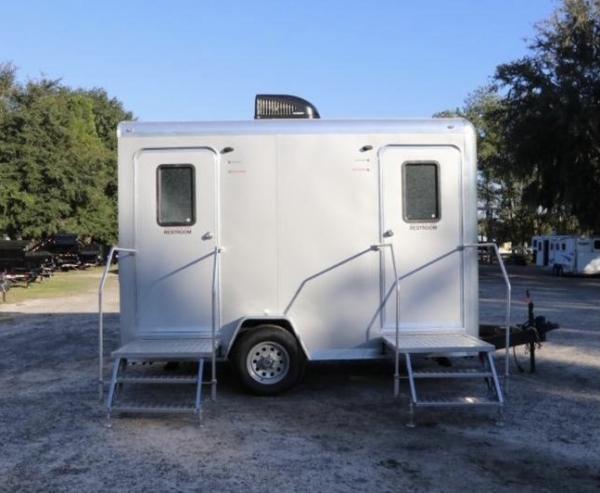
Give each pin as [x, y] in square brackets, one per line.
[508, 308]
[397, 289]
[214, 322]
[113, 250]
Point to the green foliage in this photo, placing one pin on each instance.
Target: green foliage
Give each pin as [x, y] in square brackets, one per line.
[503, 216]
[551, 115]
[538, 132]
[57, 159]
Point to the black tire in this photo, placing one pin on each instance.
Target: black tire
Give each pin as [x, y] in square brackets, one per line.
[268, 360]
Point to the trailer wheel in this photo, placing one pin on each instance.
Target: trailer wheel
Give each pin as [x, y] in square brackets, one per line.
[267, 360]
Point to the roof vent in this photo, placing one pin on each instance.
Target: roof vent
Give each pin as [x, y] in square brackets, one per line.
[269, 106]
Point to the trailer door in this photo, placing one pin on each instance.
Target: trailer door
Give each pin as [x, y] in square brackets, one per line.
[421, 216]
[175, 237]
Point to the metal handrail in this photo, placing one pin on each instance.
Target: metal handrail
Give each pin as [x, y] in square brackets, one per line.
[397, 289]
[113, 250]
[216, 310]
[508, 307]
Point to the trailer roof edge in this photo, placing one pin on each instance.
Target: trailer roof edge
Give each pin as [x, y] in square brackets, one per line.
[297, 126]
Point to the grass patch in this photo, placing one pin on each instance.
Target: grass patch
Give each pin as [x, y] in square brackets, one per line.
[59, 285]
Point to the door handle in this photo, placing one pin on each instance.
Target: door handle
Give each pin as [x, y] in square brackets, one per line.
[207, 236]
[388, 234]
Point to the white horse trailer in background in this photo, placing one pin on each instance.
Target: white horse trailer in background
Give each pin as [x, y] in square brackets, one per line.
[284, 239]
[568, 254]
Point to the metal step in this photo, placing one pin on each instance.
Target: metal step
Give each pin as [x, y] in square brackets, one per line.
[453, 373]
[486, 372]
[166, 349]
[120, 377]
[152, 409]
[436, 343]
[171, 379]
[456, 401]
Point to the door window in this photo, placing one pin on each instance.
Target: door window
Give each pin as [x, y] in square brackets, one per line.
[175, 195]
[421, 192]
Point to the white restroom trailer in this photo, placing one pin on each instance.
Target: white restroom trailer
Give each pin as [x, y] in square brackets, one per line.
[568, 254]
[282, 240]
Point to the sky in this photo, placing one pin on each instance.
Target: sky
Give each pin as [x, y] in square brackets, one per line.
[206, 60]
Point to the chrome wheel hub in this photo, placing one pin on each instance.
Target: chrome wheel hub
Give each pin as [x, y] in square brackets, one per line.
[268, 363]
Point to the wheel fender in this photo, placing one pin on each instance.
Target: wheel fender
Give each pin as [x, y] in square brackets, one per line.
[248, 324]
[267, 359]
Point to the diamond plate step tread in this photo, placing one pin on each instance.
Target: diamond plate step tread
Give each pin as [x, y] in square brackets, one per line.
[166, 349]
[457, 401]
[437, 343]
[453, 373]
[152, 409]
[173, 379]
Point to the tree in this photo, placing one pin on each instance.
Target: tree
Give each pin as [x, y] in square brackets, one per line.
[108, 112]
[503, 216]
[7, 82]
[551, 115]
[57, 159]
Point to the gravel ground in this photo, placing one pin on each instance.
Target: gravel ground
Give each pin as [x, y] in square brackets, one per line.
[340, 430]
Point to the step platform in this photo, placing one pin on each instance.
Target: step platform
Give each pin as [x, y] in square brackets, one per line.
[454, 346]
[153, 351]
[437, 342]
[166, 349]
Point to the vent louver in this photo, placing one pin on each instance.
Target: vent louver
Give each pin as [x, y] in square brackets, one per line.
[269, 106]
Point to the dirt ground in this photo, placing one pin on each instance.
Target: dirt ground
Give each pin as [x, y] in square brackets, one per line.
[340, 430]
